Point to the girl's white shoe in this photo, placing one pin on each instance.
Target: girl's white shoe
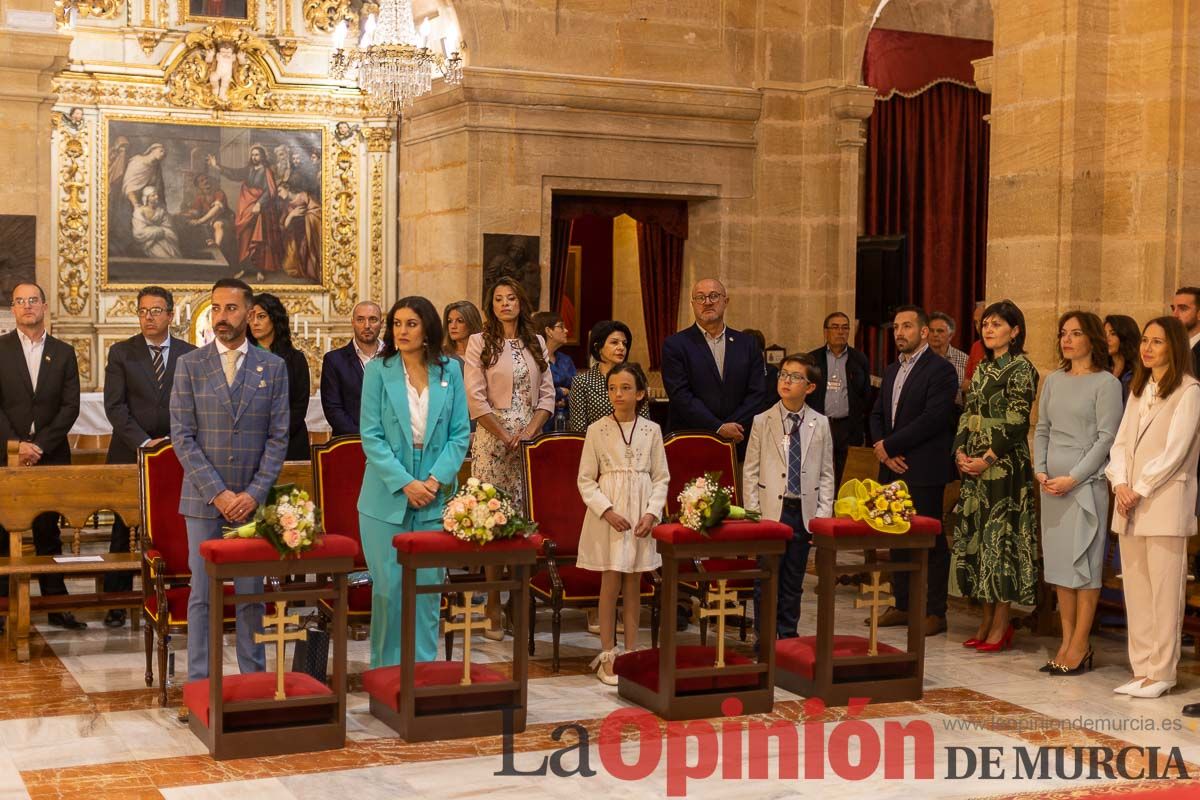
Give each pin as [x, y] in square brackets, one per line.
[1155, 689]
[603, 666]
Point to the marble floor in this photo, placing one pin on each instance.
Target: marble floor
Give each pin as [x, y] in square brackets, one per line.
[77, 721]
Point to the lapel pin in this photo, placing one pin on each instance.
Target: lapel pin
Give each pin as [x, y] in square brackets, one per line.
[47, 359]
[260, 369]
[262, 384]
[445, 384]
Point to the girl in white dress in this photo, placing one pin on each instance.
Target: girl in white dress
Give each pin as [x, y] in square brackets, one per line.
[623, 481]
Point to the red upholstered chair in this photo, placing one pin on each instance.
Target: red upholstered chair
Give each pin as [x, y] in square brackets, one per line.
[836, 667]
[553, 501]
[279, 712]
[693, 682]
[424, 701]
[165, 572]
[338, 467]
[690, 454]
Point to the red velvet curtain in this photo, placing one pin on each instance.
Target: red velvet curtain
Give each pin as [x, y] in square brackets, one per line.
[560, 245]
[660, 258]
[927, 178]
[662, 230]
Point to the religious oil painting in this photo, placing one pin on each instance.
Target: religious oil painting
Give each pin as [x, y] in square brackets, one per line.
[187, 204]
[18, 262]
[513, 256]
[219, 9]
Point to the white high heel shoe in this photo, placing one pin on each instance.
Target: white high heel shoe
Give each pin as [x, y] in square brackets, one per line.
[603, 666]
[1156, 689]
[1125, 687]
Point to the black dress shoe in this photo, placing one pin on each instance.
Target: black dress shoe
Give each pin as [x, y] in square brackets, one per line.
[682, 618]
[66, 620]
[1191, 710]
[115, 618]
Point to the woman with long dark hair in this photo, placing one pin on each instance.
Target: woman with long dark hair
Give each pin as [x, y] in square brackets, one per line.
[1152, 469]
[994, 558]
[1123, 338]
[510, 394]
[1078, 414]
[269, 326]
[415, 430]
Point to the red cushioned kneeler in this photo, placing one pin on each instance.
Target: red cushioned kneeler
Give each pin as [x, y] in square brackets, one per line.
[837, 668]
[685, 682]
[237, 716]
[427, 701]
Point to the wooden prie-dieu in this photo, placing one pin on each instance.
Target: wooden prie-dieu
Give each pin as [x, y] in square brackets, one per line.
[273, 713]
[693, 681]
[423, 701]
[838, 668]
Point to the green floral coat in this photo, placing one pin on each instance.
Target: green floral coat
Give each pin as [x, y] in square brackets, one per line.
[995, 551]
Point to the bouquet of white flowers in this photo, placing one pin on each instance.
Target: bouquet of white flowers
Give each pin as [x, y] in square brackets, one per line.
[704, 502]
[481, 512]
[288, 520]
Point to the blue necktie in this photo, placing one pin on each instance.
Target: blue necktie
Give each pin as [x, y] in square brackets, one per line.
[793, 472]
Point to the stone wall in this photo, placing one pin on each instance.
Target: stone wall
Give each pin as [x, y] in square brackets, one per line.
[970, 19]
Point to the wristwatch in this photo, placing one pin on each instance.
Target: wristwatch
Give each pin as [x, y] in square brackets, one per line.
[989, 459]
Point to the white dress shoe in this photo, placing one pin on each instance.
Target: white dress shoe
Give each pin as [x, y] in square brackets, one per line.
[1156, 689]
[1125, 687]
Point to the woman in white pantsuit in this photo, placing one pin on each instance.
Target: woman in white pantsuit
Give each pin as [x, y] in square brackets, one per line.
[1152, 469]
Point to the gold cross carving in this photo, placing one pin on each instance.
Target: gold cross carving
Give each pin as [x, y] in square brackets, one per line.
[467, 625]
[280, 637]
[873, 599]
[722, 597]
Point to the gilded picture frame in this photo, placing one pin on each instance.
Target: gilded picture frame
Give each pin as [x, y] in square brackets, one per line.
[185, 202]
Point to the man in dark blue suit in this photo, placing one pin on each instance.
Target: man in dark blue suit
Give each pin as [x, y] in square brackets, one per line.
[912, 428]
[342, 370]
[713, 374]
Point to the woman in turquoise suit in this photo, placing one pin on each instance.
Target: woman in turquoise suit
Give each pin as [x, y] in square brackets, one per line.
[415, 431]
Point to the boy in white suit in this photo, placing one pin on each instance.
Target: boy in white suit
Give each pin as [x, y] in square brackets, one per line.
[788, 476]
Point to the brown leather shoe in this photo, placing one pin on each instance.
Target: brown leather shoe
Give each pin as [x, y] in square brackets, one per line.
[183, 715]
[935, 625]
[892, 618]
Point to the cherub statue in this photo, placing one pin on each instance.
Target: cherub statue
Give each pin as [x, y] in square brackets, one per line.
[221, 62]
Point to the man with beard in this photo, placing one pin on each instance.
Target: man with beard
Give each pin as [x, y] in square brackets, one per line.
[912, 428]
[229, 426]
[342, 370]
[256, 221]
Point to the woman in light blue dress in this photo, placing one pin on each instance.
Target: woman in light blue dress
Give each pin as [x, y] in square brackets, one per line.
[1078, 416]
[415, 430]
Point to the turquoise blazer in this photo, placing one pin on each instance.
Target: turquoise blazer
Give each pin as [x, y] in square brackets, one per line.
[386, 432]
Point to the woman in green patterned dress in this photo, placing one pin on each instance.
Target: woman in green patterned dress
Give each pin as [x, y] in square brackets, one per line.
[995, 552]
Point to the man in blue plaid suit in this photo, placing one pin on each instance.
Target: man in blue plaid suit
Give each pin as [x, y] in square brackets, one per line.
[229, 426]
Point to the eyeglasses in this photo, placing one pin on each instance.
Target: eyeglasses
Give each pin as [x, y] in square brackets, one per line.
[792, 377]
[31, 302]
[711, 297]
[559, 325]
[839, 327]
[153, 313]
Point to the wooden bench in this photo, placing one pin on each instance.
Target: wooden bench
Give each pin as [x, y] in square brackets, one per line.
[19, 605]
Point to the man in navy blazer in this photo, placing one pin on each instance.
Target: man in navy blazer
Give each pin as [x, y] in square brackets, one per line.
[713, 374]
[342, 370]
[229, 427]
[912, 428]
[137, 395]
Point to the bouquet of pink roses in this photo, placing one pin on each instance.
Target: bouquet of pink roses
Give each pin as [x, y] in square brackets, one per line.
[481, 512]
[288, 520]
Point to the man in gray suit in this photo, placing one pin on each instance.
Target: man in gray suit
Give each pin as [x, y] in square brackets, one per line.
[229, 426]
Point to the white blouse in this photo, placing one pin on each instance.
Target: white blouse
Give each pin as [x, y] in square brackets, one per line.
[1157, 470]
[418, 410]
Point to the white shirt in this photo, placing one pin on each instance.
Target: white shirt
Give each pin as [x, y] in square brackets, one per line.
[242, 349]
[364, 358]
[1179, 439]
[717, 345]
[418, 410]
[33, 350]
[1195, 337]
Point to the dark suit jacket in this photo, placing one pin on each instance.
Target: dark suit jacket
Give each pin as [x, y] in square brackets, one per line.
[52, 406]
[858, 388]
[700, 399]
[925, 423]
[341, 389]
[136, 408]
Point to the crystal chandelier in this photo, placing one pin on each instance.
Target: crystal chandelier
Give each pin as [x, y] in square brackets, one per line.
[394, 62]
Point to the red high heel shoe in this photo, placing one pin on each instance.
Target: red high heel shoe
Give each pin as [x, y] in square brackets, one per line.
[1004, 643]
[973, 642]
